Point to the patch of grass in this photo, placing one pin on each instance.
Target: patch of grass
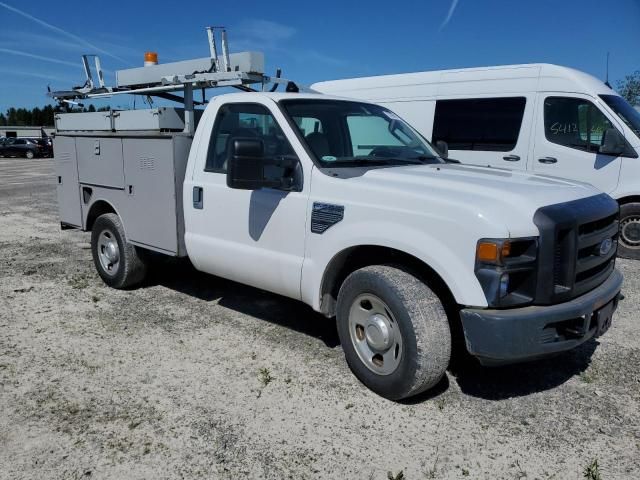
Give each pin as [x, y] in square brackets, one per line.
[433, 471]
[264, 375]
[348, 406]
[587, 377]
[592, 471]
[79, 282]
[397, 476]
[465, 472]
[440, 404]
[95, 298]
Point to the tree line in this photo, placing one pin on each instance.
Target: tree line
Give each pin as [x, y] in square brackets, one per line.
[39, 116]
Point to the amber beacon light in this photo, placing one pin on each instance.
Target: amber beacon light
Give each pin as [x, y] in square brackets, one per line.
[150, 58]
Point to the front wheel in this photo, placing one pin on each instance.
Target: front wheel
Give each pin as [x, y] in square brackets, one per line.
[29, 154]
[119, 263]
[393, 330]
[629, 238]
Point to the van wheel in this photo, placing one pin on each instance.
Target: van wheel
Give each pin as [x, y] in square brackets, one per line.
[119, 263]
[393, 330]
[629, 238]
[29, 154]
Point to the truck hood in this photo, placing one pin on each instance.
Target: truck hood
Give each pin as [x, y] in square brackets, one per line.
[501, 196]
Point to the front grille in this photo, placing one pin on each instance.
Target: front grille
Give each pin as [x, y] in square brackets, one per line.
[593, 264]
[573, 258]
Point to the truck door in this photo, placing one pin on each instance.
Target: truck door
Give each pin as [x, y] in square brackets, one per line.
[253, 237]
[569, 133]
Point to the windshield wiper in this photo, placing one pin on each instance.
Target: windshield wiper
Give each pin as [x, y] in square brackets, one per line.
[377, 160]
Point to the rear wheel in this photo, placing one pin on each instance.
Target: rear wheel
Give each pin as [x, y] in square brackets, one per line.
[119, 263]
[393, 330]
[29, 154]
[629, 238]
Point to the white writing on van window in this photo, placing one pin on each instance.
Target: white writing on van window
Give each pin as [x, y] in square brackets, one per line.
[558, 128]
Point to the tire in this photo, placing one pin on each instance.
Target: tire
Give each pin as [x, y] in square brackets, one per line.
[119, 264]
[629, 238]
[29, 154]
[415, 353]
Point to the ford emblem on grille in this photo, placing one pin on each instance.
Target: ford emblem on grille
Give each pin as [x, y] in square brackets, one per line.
[605, 247]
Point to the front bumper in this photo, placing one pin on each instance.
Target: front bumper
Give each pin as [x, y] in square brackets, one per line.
[499, 337]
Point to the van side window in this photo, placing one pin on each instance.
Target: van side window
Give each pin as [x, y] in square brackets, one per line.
[243, 120]
[574, 123]
[485, 124]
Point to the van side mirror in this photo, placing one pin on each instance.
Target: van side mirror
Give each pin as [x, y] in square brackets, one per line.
[245, 169]
[613, 143]
[443, 148]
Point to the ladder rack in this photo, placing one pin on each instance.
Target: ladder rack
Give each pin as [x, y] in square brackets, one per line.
[244, 71]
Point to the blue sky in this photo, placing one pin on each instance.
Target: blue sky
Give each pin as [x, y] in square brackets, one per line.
[311, 41]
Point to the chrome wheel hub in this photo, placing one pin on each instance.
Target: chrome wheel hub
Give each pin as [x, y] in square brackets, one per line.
[374, 334]
[108, 252]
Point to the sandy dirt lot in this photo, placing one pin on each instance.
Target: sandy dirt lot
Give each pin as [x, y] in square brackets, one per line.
[192, 376]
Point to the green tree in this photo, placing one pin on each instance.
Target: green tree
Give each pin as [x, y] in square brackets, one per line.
[629, 88]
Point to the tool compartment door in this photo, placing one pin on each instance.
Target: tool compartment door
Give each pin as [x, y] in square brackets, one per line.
[151, 216]
[100, 161]
[67, 187]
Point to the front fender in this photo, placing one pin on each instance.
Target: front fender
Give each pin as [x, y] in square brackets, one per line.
[452, 261]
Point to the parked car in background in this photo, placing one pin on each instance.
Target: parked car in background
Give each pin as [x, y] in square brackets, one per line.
[46, 146]
[24, 147]
[542, 118]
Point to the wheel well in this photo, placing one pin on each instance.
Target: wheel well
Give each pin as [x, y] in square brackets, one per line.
[99, 208]
[354, 258]
[632, 199]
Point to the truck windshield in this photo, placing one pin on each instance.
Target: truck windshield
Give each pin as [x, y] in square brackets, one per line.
[352, 134]
[629, 115]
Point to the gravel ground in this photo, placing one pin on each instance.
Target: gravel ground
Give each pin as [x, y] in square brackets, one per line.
[192, 376]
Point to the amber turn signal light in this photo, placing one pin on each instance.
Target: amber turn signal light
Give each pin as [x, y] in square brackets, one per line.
[492, 251]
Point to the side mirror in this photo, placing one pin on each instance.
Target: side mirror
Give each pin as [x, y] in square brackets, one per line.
[245, 169]
[443, 148]
[613, 143]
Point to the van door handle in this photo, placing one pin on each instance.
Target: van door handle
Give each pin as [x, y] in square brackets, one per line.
[511, 158]
[548, 160]
[198, 199]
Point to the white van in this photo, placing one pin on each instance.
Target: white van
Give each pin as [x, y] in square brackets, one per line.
[543, 118]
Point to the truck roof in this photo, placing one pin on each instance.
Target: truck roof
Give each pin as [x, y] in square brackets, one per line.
[277, 96]
[492, 79]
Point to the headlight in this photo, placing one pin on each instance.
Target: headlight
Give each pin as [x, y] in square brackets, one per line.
[506, 270]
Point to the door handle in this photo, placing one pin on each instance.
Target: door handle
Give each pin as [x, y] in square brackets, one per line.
[511, 158]
[548, 160]
[198, 198]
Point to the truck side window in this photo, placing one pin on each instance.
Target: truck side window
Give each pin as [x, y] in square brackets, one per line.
[243, 120]
[574, 123]
[483, 124]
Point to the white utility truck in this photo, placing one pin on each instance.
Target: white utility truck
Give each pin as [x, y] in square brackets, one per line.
[540, 118]
[342, 205]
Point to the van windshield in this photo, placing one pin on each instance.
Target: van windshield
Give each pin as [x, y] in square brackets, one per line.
[352, 134]
[629, 115]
